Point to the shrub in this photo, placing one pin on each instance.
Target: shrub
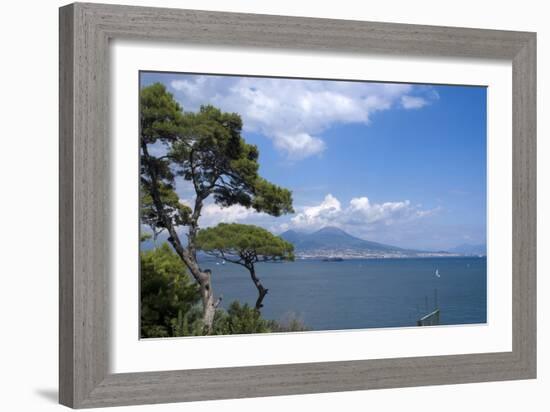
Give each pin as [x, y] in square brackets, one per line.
[290, 323]
[168, 296]
[170, 303]
[240, 319]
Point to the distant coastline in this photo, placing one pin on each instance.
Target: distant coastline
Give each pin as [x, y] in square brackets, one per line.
[206, 258]
[335, 243]
[353, 257]
[331, 243]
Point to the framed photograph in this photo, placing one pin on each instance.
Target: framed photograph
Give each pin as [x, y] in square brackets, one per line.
[256, 205]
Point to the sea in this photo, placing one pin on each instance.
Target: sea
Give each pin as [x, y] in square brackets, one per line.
[361, 293]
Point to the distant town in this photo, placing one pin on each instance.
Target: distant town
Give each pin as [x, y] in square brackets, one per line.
[325, 254]
[334, 244]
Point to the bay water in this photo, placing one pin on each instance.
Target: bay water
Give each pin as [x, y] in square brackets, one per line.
[361, 293]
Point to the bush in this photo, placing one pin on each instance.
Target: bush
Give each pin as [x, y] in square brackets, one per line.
[169, 298]
[240, 319]
[243, 319]
[290, 323]
[171, 304]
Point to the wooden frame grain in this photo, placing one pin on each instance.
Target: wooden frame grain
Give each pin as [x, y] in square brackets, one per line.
[85, 31]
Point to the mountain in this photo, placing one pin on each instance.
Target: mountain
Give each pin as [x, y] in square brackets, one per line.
[332, 241]
[470, 250]
[331, 238]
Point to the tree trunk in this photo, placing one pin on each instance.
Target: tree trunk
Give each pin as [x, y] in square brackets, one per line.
[194, 225]
[261, 290]
[187, 255]
[209, 305]
[204, 279]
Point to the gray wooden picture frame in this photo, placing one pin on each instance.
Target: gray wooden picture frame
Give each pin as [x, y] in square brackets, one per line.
[85, 32]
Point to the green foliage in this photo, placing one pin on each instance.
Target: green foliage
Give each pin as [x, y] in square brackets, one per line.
[177, 212]
[188, 323]
[161, 123]
[144, 237]
[240, 319]
[271, 199]
[168, 297]
[206, 149]
[247, 243]
[243, 319]
[161, 117]
[216, 159]
[290, 324]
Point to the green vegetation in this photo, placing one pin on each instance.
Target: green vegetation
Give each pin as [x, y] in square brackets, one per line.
[245, 245]
[240, 319]
[170, 303]
[207, 150]
[168, 296]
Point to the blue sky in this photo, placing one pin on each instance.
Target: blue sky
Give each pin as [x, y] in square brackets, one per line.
[396, 163]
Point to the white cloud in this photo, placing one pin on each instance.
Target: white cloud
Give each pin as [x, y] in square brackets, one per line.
[360, 215]
[317, 216]
[300, 145]
[194, 88]
[400, 223]
[429, 212]
[362, 210]
[413, 102]
[293, 112]
[213, 214]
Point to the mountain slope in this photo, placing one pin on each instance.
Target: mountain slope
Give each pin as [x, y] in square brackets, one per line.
[334, 241]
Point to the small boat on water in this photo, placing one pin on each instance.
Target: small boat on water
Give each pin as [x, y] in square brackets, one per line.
[333, 259]
[437, 273]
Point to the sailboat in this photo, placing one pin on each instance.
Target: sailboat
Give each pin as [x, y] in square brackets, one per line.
[437, 273]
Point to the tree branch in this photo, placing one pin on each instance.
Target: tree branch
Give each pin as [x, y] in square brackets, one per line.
[166, 221]
[238, 262]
